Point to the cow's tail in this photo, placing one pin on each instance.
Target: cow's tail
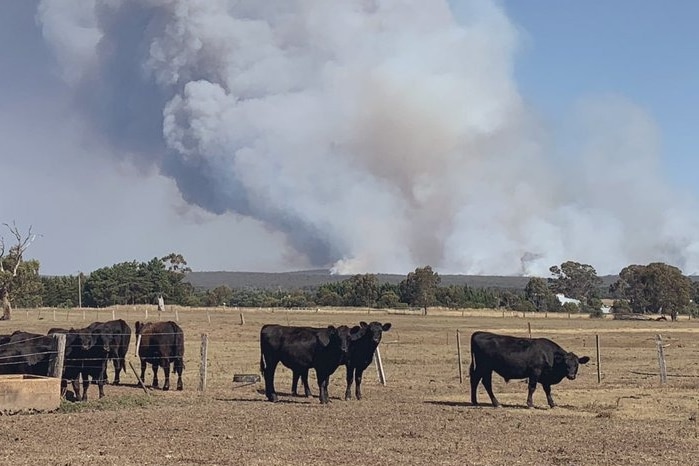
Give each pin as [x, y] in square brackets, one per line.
[472, 367]
[262, 362]
[179, 345]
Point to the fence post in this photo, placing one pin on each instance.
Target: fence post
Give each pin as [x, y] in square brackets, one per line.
[529, 327]
[458, 353]
[242, 319]
[138, 344]
[59, 346]
[379, 366]
[599, 360]
[113, 314]
[661, 359]
[202, 363]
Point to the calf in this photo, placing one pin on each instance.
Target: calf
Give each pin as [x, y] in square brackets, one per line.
[361, 354]
[300, 349]
[118, 335]
[540, 360]
[162, 344]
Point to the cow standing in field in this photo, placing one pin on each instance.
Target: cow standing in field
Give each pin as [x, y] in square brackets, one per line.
[300, 349]
[86, 355]
[162, 344]
[364, 340]
[361, 353]
[118, 334]
[540, 360]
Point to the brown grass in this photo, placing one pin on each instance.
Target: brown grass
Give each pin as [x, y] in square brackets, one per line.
[422, 416]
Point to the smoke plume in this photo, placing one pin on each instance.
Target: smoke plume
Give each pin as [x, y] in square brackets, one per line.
[376, 135]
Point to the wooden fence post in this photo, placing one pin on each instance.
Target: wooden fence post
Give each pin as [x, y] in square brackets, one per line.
[529, 327]
[458, 353]
[203, 362]
[242, 319]
[661, 359]
[599, 360]
[208, 315]
[177, 315]
[113, 314]
[59, 346]
[138, 344]
[379, 366]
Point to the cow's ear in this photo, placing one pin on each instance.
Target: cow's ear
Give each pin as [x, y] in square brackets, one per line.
[386, 327]
[324, 338]
[363, 324]
[584, 360]
[356, 333]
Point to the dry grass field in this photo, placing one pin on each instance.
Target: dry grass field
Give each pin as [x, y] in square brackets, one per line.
[422, 416]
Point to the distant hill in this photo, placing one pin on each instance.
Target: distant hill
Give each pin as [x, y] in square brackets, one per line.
[310, 279]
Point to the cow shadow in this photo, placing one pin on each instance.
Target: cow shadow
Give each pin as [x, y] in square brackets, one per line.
[468, 404]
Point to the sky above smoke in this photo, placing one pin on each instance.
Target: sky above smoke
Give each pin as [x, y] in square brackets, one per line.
[363, 135]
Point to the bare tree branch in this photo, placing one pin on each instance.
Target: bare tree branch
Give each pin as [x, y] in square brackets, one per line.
[23, 242]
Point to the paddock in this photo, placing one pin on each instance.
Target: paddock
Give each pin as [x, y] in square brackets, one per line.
[421, 416]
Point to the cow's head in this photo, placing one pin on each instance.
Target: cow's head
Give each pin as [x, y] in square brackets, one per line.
[139, 328]
[572, 362]
[87, 339]
[336, 336]
[374, 330]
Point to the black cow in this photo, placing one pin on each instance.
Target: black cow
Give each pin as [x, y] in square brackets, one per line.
[86, 355]
[162, 344]
[363, 343]
[540, 360]
[25, 353]
[300, 349]
[361, 354]
[118, 334]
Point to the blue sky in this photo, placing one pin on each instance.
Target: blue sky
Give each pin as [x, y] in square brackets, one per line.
[643, 50]
[75, 175]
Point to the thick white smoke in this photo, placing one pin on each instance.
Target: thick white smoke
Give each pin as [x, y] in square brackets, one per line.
[377, 135]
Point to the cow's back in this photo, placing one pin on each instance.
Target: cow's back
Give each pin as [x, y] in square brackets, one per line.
[511, 357]
[295, 347]
[161, 340]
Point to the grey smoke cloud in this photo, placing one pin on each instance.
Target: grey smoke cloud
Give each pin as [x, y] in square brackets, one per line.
[376, 135]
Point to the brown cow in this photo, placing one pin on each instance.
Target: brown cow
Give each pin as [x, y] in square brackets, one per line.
[162, 343]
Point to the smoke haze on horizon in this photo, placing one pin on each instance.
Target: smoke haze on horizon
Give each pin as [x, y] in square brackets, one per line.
[362, 135]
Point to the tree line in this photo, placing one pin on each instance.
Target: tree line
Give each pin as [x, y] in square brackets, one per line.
[651, 288]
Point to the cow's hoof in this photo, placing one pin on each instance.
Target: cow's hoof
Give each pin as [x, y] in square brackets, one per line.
[179, 388]
[166, 388]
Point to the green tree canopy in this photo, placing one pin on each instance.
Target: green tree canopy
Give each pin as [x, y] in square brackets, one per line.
[575, 280]
[656, 287]
[420, 287]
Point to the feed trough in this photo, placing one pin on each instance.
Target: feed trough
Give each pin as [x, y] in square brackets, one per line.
[29, 393]
[245, 379]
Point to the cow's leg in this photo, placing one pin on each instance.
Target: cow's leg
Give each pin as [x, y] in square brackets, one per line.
[179, 365]
[306, 388]
[475, 377]
[530, 392]
[549, 398]
[269, 369]
[350, 376]
[144, 364]
[295, 383]
[76, 387]
[86, 384]
[488, 384]
[100, 386]
[117, 368]
[358, 383]
[166, 370]
[323, 388]
[155, 375]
